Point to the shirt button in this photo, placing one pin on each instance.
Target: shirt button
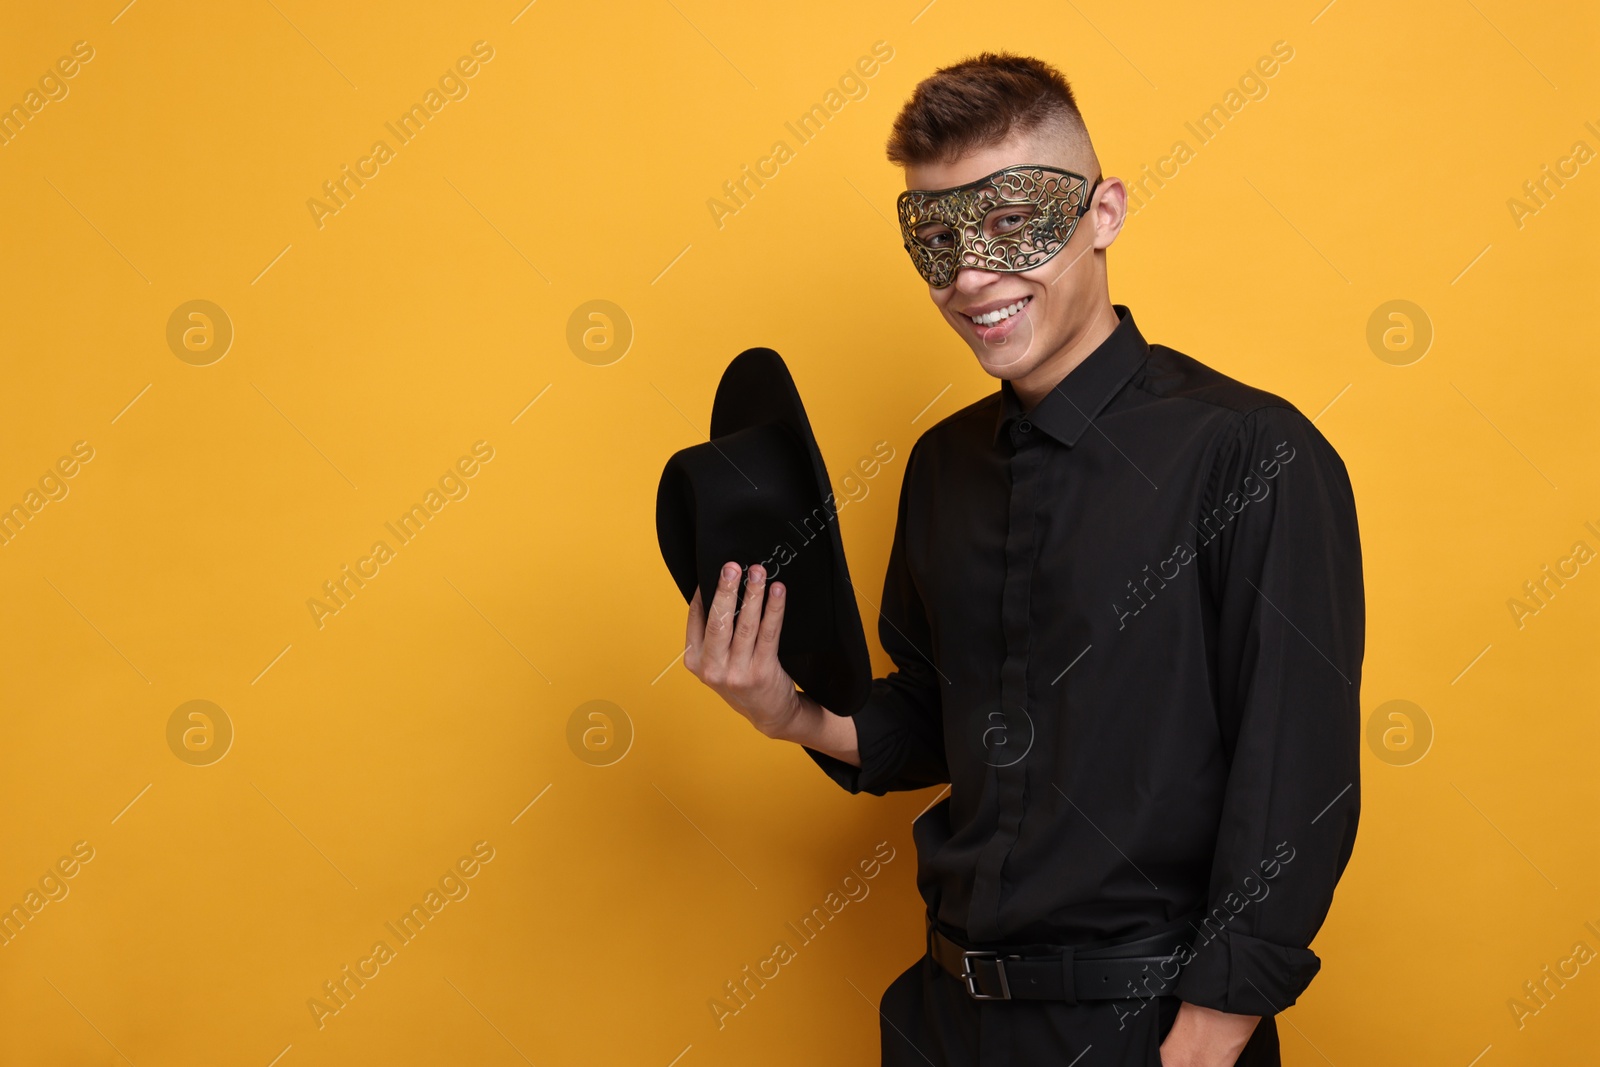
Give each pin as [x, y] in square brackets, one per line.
[1024, 425]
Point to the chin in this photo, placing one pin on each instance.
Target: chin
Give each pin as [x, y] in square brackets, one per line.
[1020, 355]
[1008, 366]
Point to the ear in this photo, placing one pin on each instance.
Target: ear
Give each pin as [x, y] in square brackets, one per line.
[1108, 212]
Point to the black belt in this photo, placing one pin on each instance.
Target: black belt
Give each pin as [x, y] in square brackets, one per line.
[1136, 969]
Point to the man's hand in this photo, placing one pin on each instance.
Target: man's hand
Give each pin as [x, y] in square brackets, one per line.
[1205, 1037]
[738, 657]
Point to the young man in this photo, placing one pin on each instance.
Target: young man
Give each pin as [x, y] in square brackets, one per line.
[1125, 603]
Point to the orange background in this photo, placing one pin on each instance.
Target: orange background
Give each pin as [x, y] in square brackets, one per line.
[371, 352]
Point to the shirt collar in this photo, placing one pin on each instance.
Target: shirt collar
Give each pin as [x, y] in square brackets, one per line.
[1066, 411]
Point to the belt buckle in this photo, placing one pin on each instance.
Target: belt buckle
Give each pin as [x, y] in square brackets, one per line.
[970, 977]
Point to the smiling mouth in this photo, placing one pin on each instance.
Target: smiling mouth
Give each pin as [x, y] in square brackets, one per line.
[999, 315]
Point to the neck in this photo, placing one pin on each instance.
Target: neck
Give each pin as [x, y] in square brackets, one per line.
[1033, 386]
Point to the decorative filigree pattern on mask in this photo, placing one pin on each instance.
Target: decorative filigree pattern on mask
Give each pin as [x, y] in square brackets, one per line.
[969, 226]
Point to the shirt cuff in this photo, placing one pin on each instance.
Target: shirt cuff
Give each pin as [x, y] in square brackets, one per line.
[878, 744]
[1245, 975]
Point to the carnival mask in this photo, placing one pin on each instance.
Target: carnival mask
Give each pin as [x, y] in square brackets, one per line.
[1014, 220]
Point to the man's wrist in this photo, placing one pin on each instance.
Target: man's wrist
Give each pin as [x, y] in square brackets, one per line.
[815, 727]
[800, 724]
[1205, 1037]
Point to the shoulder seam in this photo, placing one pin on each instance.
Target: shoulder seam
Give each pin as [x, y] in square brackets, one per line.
[1275, 402]
[1269, 399]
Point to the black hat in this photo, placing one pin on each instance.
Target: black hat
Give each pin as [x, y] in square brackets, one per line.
[758, 492]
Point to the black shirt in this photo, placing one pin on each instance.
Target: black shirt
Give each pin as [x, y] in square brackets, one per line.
[1128, 630]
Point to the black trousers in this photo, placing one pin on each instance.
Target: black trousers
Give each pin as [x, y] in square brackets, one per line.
[927, 1019]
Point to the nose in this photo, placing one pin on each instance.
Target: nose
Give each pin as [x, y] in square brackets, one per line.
[974, 279]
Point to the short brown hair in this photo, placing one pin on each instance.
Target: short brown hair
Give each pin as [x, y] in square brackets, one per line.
[978, 103]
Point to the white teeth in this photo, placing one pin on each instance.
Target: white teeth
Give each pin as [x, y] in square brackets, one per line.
[1001, 315]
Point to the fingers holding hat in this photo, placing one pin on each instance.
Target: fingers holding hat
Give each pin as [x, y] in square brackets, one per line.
[720, 619]
[771, 625]
[695, 635]
[749, 617]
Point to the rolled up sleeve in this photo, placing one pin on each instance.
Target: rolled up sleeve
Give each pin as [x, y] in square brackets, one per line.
[899, 731]
[1285, 573]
